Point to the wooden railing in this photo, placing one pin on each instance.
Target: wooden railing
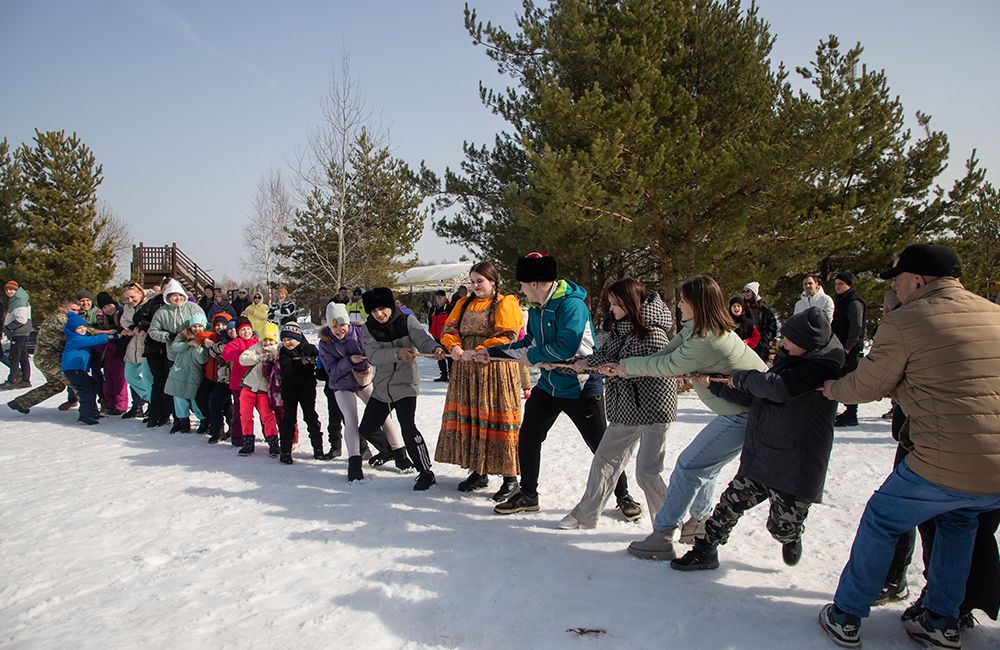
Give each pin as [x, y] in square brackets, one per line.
[151, 263]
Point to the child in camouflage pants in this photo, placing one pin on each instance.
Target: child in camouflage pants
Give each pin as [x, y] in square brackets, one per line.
[788, 440]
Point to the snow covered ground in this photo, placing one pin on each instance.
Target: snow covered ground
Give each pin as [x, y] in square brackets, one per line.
[118, 536]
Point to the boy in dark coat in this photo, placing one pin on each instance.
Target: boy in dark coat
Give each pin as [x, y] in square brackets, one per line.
[788, 441]
[297, 360]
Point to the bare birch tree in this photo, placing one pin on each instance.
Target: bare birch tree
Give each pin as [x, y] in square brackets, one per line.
[267, 228]
[115, 232]
[323, 168]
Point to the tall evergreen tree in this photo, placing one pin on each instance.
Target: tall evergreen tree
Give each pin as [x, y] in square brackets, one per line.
[58, 247]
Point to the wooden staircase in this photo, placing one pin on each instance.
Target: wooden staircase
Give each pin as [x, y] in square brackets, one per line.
[151, 263]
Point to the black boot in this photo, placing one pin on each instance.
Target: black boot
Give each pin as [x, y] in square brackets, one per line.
[354, 471]
[203, 426]
[401, 459]
[224, 434]
[181, 425]
[214, 436]
[285, 458]
[336, 447]
[474, 482]
[702, 556]
[791, 552]
[317, 444]
[273, 448]
[248, 445]
[380, 458]
[509, 488]
[17, 406]
[134, 412]
[424, 480]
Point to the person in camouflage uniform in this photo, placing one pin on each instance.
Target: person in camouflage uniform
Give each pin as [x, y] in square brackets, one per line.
[48, 360]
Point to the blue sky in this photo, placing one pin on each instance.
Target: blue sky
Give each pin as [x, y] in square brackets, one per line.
[188, 103]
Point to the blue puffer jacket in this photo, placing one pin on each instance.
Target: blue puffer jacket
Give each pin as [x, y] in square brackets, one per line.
[76, 354]
[558, 330]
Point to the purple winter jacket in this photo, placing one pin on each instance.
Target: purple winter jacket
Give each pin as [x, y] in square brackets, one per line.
[335, 355]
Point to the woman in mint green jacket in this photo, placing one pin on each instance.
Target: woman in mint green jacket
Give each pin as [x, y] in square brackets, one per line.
[705, 345]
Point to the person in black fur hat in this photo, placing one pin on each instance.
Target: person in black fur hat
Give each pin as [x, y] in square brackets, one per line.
[788, 440]
[391, 340]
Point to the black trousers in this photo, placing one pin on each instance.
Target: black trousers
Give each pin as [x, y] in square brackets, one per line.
[204, 395]
[850, 365]
[220, 400]
[86, 388]
[291, 402]
[20, 366]
[540, 413]
[160, 406]
[375, 414]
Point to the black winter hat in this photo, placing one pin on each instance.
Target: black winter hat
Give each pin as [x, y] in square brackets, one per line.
[84, 294]
[926, 259]
[845, 277]
[243, 321]
[536, 267]
[807, 329]
[378, 297]
[292, 331]
[104, 298]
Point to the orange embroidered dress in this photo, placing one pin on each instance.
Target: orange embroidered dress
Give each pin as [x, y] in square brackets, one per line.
[482, 412]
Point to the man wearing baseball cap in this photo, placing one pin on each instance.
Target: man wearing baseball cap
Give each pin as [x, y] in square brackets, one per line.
[938, 355]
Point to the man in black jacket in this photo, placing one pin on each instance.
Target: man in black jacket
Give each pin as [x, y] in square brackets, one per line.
[849, 327]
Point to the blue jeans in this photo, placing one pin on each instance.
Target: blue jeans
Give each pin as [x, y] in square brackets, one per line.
[905, 500]
[140, 378]
[692, 483]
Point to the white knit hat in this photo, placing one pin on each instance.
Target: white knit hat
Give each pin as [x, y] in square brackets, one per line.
[754, 287]
[336, 314]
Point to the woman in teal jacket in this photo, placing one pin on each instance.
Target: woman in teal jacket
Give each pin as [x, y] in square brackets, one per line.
[705, 345]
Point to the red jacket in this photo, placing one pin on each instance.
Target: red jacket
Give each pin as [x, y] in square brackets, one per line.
[231, 353]
[438, 316]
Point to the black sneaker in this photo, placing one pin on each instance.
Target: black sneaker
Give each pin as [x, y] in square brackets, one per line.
[843, 628]
[966, 621]
[441, 378]
[934, 631]
[424, 480]
[631, 510]
[791, 552]
[214, 438]
[14, 404]
[203, 426]
[473, 482]
[285, 459]
[509, 488]
[892, 593]
[520, 502]
[701, 557]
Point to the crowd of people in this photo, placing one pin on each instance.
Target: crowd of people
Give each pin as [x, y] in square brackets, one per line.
[773, 390]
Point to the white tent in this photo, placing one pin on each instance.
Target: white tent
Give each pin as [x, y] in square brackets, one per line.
[431, 278]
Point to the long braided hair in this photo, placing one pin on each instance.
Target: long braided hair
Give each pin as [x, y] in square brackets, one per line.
[488, 271]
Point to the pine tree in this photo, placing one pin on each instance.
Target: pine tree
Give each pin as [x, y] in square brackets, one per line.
[57, 250]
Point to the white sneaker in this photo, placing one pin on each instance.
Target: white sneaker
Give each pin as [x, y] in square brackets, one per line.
[569, 522]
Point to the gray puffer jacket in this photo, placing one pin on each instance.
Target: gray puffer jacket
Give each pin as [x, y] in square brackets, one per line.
[395, 379]
[639, 400]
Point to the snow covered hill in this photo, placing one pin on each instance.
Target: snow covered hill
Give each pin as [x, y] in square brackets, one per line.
[118, 536]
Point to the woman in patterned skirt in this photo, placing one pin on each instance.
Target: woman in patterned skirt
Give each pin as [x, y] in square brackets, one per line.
[482, 412]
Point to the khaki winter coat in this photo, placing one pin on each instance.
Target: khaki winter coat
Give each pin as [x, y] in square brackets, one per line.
[939, 355]
[136, 348]
[254, 358]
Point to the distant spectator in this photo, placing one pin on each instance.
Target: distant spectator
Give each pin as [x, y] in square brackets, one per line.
[849, 327]
[17, 326]
[814, 296]
[762, 317]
